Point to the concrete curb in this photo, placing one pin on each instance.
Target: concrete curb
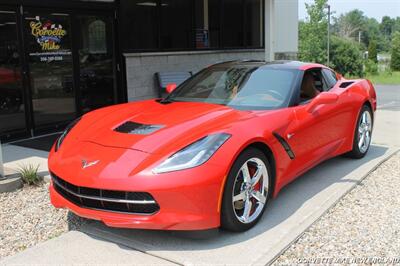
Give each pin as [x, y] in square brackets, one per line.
[11, 182]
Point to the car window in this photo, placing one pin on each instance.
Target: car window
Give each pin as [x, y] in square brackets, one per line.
[330, 78]
[242, 87]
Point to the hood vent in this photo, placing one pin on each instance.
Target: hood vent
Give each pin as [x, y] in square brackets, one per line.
[137, 129]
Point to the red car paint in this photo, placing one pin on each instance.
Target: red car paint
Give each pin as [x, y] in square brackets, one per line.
[190, 199]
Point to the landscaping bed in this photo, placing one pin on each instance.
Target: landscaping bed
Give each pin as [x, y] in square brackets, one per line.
[362, 228]
[27, 218]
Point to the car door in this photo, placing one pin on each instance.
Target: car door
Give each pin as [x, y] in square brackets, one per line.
[315, 136]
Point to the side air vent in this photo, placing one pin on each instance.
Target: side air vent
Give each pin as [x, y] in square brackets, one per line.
[136, 128]
[346, 84]
[285, 145]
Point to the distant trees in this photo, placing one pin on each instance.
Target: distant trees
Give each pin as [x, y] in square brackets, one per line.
[372, 51]
[313, 33]
[395, 53]
[352, 34]
[346, 57]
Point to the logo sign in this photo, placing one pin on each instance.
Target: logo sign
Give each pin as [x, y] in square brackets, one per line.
[48, 35]
[86, 164]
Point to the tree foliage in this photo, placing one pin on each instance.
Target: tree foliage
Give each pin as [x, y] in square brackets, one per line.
[346, 57]
[313, 33]
[372, 51]
[395, 54]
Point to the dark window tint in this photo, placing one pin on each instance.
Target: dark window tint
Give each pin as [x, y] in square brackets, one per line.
[330, 77]
[176, 24]
[244, 87]
[139, 24]
[254, 23]
[232, 23]
[214, 22]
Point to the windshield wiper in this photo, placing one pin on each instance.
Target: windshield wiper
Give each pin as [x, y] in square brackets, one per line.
[165, 101]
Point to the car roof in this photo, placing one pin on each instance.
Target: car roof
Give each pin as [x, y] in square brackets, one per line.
[278, 64]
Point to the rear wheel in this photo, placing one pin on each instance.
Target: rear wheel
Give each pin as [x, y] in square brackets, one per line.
[246, 192]
[362, 134]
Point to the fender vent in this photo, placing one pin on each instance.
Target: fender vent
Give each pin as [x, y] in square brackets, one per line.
[136, 128]
[346, 84]
[285, 145]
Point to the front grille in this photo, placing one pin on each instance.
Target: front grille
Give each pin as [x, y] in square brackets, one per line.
[108, 200]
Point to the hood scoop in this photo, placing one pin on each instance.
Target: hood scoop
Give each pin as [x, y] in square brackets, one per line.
[133, 128]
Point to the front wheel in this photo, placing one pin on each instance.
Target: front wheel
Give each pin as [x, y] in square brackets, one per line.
[246, 192]
[362, 134]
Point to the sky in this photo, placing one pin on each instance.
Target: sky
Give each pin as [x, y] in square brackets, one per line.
[371, 8]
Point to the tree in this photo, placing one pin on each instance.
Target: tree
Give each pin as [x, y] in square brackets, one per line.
[372, 52]
[346, 57]
[395, 54]
[313, 33]
[348, 25]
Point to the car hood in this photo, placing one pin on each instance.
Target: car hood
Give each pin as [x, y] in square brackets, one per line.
[176, 124]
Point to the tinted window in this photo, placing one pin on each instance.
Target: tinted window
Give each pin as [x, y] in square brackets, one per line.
[191, 24]
[254, 23]
[232, 23]
[330, 77]
[245, 87]
[176, 24]
[139, 24]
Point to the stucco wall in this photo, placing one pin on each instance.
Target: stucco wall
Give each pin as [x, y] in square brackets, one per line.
[141, 67]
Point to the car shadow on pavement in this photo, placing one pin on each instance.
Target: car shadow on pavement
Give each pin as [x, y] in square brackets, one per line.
[294, 203]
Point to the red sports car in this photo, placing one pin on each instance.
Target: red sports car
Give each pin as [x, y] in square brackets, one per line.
[214, 151]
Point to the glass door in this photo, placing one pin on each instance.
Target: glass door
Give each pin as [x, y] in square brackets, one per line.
[48, 41]
[95, 45]
[12, 108]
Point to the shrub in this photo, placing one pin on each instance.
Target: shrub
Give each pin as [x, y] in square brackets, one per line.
[372, 52]
[346, 57]
[29, 174]
[395, 55]
[371, 67]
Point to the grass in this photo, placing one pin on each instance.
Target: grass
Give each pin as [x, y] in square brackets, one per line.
[385, 78]
[29, 174]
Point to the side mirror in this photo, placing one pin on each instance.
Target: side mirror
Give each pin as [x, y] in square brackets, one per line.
[322, 98]
[170, 87]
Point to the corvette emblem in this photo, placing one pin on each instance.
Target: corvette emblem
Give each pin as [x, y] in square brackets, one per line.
[86, 164]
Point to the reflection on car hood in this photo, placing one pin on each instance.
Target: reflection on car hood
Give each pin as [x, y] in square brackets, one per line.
[168, 124]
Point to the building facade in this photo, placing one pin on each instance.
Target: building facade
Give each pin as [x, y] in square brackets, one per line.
[62, 58]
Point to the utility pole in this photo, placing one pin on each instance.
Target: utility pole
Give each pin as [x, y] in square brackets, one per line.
[329, 34]
[359, 37]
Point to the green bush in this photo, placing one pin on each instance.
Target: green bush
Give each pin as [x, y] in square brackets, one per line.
[371, 67]
[29, 174]
[372, 52]
[395, 55]
[346, 57]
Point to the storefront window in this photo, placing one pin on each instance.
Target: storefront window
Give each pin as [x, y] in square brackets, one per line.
[254, 23]
[165, 25]
[176, 24]
[232, 23]
[139, 24]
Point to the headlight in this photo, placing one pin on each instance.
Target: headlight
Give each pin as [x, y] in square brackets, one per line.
[193, 155]
[65, 133]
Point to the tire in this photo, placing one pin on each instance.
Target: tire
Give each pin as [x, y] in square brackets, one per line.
[362, 134]
[251, 197]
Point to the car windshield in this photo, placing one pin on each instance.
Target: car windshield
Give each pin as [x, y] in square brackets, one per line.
[242, 87]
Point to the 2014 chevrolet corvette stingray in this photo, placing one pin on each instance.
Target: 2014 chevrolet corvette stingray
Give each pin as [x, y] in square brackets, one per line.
[214, 151]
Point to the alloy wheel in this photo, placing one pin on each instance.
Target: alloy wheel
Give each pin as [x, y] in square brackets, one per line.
[250, 190]
[364, 131]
